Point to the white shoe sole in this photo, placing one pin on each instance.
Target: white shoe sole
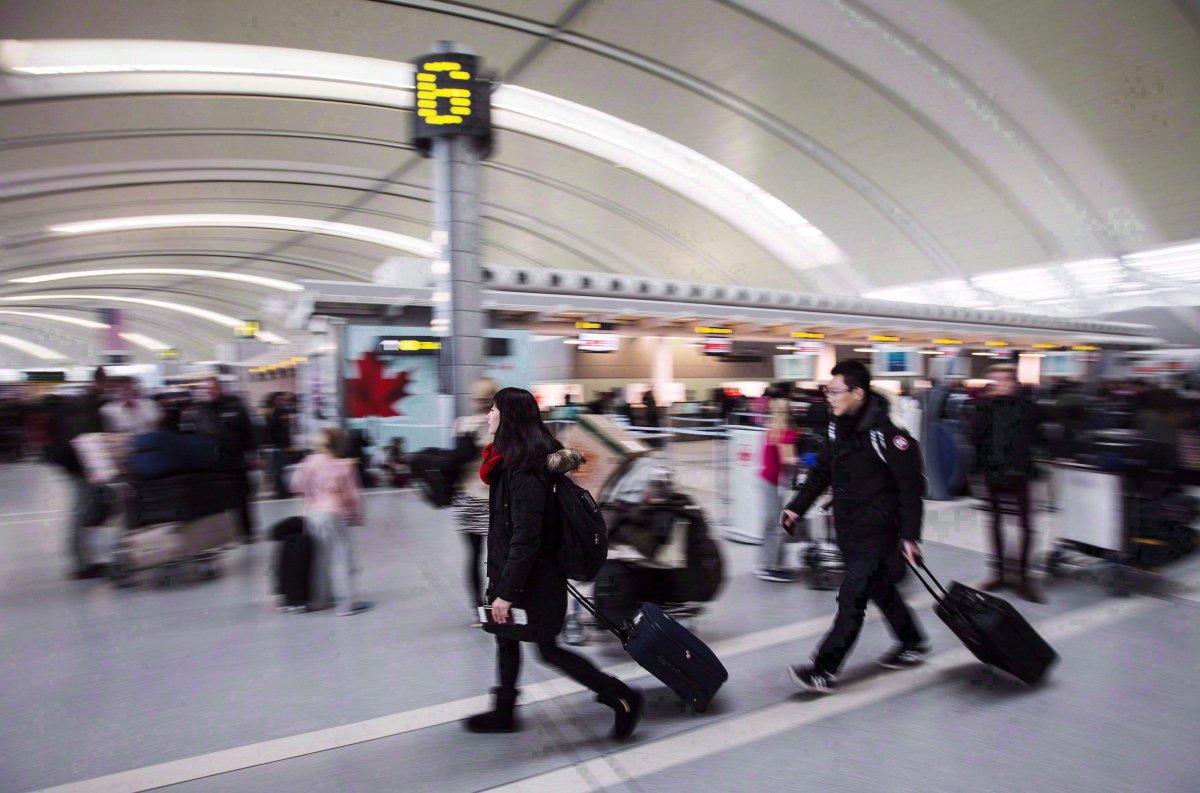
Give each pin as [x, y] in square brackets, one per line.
[800, 684]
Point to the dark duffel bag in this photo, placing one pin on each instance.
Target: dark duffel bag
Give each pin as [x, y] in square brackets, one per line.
[186, 497]
[667, 650]
[293, 570]
[991, 629]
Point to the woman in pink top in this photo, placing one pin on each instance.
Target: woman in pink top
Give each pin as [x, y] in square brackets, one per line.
[779, 456]
[333, 502]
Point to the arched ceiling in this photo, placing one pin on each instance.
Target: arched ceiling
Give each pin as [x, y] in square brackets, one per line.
[850, 146]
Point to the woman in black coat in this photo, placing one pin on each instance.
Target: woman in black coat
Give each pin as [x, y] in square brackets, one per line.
[524, 532]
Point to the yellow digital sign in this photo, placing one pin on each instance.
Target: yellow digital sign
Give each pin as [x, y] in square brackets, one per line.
[995, 344]
[804, 334]
[883, 338]
[451, 98]
[409, 345]
[1046, 346]
[582, 325]
[705, 330]
[1085, 348]
[167, 355]
[947, 342]
[248, 329]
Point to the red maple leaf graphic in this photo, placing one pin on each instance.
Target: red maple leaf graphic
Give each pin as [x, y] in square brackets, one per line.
[373, 393]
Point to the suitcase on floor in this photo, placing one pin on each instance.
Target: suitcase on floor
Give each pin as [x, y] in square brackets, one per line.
[991, 629]
[293, 570]
[669, 651]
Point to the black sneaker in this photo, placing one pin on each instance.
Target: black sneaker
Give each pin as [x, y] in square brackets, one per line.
[903, 658]
[812, 679]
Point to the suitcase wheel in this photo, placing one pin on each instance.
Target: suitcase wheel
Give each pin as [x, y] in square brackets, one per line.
[693, 706]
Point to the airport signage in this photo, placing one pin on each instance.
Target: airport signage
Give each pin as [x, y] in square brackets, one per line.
[451, 99]
[718, 346]
[804, 334]
[171, 354]
[408, 345]
[707, 330]
[599, 342]
[585, 324]
[248, 329]
[807, 348]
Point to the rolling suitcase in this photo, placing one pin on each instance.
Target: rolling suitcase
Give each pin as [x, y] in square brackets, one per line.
[991, 629]
[667, 650]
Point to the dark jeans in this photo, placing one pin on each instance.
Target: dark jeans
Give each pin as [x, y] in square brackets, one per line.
[474, 574]
[276, 463]
[576, 667]
[866, 579]
[245, 491]
[1019, 490]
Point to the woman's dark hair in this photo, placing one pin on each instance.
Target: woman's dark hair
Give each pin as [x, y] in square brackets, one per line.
[522, 439]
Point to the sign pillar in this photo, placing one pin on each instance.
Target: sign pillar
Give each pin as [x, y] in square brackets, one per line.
[452, 125]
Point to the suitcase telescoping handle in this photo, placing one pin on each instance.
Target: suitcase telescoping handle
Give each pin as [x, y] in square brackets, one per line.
[921, 562]
[608, 624]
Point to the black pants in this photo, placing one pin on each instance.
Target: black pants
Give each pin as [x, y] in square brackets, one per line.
[1019, 490]
[245, 491]
[576, 667]
[866, 579]
[474, 574]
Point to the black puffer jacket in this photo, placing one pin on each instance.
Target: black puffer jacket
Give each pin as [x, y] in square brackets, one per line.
[524, 531]
[877, 477]
[1005, 433]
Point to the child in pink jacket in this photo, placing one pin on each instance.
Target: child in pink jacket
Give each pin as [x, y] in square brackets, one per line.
[329, 486]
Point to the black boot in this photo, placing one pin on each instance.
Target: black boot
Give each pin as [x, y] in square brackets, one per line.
[500, 718]
[627, 704]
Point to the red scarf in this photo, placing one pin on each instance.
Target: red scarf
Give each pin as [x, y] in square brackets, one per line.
[491, 459]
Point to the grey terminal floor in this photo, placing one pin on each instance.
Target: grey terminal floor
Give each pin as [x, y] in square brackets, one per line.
[205, 687]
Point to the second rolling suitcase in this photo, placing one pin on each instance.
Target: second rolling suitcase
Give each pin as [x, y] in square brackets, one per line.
[992, 629]
[669, 651]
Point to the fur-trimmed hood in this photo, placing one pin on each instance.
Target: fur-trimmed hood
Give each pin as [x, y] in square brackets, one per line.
[564, 461]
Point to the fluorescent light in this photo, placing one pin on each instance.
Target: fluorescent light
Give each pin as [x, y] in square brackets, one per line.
[864, 349]
[201, 313]
[145, 342]
[29, 348]
[760, 215]
[83, 323]
[257, 280]
[572, 341]
[303, 225]
[270, 338]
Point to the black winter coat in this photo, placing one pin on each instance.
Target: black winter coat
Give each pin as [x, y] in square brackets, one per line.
[524, 534]
[228, 423]
[1005, 432]
[877, 477]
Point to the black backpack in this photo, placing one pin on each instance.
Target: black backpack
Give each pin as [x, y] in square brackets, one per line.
[294, 570]
[584, 547]
[436, 473]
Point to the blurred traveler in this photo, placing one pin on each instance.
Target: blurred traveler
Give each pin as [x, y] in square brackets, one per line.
[279, 437]
[129, 412]
[875, 471]
[471, 502]
[652, 416]
[778, 465]
[224, 418]
[68, 418]
[1005, 433]
[333, 502]
[396, 463]
[523, 574]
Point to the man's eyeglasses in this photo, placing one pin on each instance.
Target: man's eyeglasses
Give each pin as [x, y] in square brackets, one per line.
[838, 391]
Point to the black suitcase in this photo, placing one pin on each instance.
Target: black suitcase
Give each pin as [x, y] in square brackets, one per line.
[991, 629]
[669, 651]
[293, 570]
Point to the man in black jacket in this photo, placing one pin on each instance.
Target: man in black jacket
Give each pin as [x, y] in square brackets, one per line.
[1005, 432]
[224, 419]
[876, 474]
